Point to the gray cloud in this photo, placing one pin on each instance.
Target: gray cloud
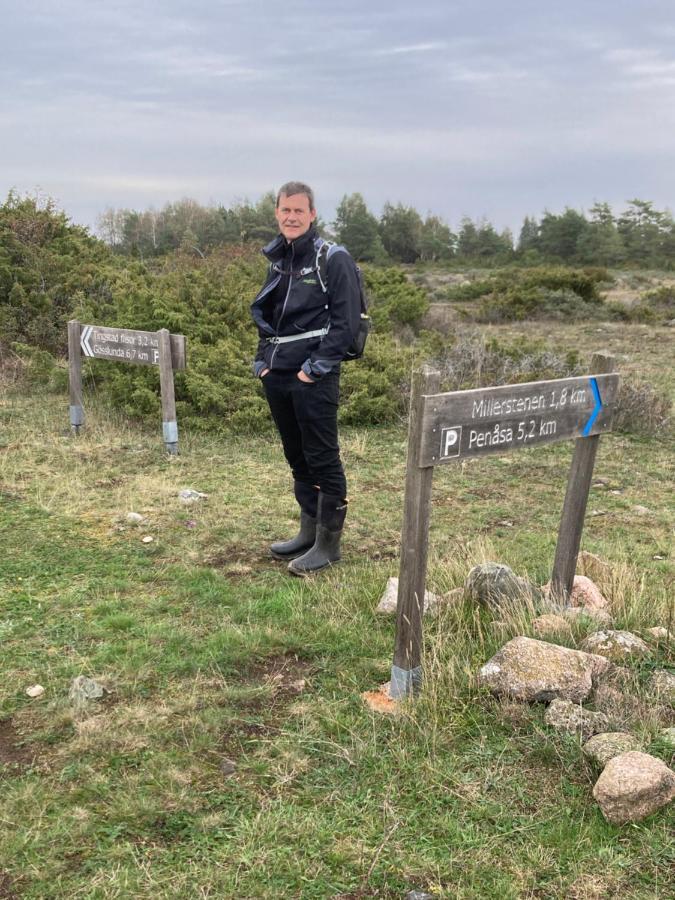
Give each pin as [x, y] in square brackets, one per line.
[479, 108]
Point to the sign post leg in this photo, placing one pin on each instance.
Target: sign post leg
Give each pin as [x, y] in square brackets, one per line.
[169, 422]
[576, 499]
[406, 671]
[75, 376]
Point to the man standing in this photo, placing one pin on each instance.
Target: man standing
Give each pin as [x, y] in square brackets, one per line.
[307, 315]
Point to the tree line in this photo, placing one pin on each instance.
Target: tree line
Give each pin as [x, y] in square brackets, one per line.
[640, 236]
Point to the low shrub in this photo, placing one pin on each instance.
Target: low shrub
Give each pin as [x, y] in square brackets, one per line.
[469, 290]
[654, 307]
[471, 360]
[641, 409]
[394, 300]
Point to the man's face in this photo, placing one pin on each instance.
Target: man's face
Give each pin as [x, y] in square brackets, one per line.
[294, 215]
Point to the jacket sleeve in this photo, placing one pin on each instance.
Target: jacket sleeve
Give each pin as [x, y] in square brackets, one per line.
[345, 315]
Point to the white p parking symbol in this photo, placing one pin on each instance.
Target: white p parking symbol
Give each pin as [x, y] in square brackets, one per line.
[451, 440]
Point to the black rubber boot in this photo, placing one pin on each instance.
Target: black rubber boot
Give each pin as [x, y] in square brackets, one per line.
[308, 497]
[326, 549]
[303, 540]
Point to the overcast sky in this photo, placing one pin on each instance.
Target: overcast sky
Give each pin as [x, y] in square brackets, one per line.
[476, 107]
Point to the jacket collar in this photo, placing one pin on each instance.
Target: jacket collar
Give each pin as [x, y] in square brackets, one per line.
[277, 249]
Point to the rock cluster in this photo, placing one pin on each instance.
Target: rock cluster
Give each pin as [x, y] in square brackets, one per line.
[633, 784]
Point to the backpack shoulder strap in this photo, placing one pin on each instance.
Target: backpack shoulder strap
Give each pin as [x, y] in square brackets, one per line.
[322, 251]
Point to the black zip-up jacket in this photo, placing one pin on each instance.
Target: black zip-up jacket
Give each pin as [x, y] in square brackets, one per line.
[292, 302]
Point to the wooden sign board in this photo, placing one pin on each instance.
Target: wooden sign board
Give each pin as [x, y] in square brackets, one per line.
[465, 424]
[129, 345]
[460, 425]
[145, 348]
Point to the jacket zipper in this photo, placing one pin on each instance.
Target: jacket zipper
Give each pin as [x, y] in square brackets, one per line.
[283, 308]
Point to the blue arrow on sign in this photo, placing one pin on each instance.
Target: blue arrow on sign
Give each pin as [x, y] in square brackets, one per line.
[596, 408]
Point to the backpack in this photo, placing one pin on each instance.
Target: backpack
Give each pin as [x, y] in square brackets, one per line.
[358, 345]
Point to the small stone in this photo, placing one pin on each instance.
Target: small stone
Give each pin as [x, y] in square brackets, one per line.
[228, 766]
[667, 737]
[389, 599]
[574, 719]
[148, 539]
[586, 593]
[596, 617]
[134, 517]
[608, 744]
[617, 646]
[641, 510]
[35, 690]
[658, 634]
[549, 625]
[189, 496]
[83, 689]
[633, 786]
[662, 685]
[418, 895]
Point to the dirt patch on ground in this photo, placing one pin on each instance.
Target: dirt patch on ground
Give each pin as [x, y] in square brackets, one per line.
[283, 679]
[7, 887]
[237, 561]
[14, 756]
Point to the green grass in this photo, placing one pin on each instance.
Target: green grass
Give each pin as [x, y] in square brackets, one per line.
[212, 652]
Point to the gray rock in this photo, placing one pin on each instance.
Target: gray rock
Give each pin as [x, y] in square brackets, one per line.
[662, 684]
[530, 670]
[228, 767]
[581, 614]
[496, 586]
[574, 719]
[608, 744]
[83, 689]
[189, 496]
[618, 646]
[418, 895]
[134, 518]
[388, 601]
[633, 786]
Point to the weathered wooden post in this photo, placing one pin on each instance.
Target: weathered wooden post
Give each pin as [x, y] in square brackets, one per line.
[576, 499]
[169, 422]
[75, 376]
[406, 671]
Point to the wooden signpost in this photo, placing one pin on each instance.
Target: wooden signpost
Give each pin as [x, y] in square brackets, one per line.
[145, 348]
[446, 428]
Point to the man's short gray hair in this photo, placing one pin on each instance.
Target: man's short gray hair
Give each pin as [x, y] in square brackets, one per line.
[296, 187]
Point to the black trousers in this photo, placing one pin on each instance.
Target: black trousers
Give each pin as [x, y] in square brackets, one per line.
[306, 418]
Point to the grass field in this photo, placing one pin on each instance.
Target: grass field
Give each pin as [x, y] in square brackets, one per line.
[233, 755]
